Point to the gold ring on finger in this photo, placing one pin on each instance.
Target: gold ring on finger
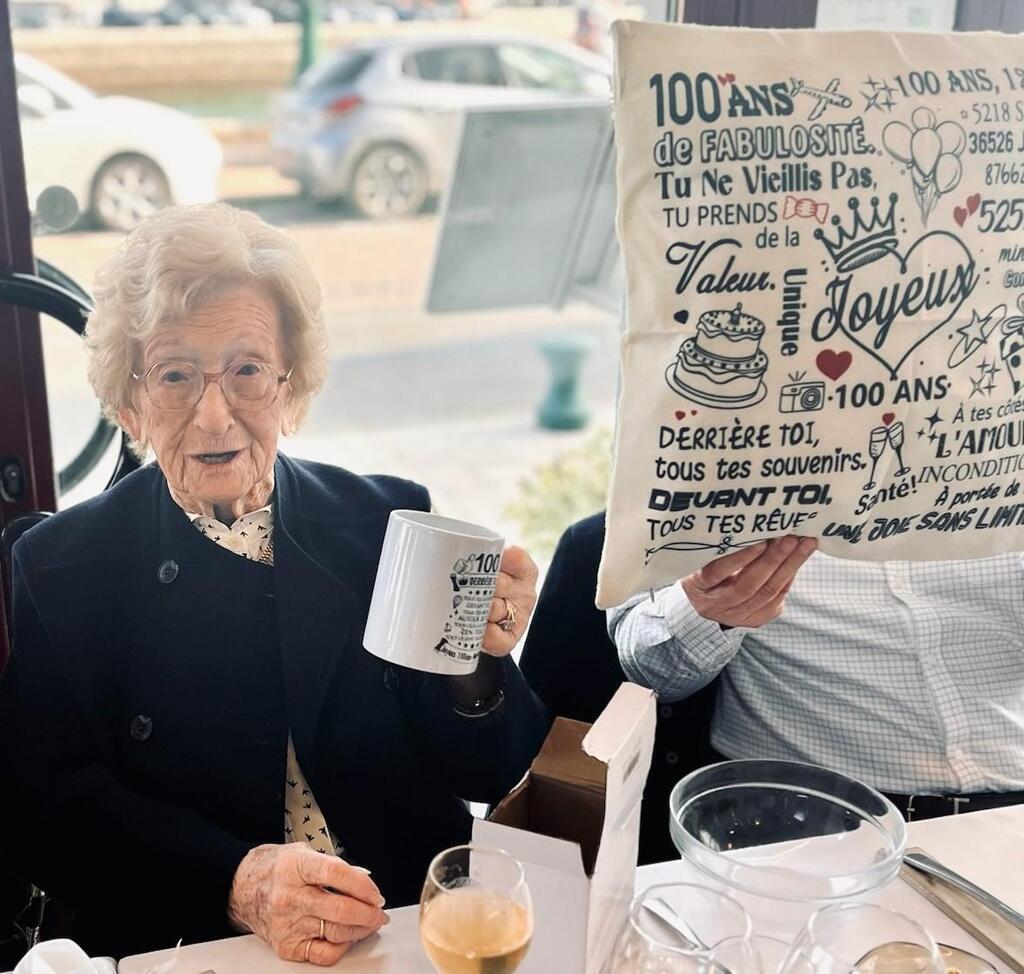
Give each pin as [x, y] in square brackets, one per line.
[322, 929]
[511, 613]
[305, 953]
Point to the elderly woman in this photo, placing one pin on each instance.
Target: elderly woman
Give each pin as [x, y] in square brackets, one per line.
[194, 741]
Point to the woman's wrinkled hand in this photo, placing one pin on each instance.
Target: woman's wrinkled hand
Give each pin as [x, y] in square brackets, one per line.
[748, 587]
[281, 893]
[517, 582]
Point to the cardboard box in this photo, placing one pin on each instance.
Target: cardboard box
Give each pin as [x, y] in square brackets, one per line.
[574, 824]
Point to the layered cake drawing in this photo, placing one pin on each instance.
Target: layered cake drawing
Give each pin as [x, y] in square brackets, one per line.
[722, 365]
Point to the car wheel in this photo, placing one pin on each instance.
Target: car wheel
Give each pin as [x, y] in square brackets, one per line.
[389, 181]
[126, 190]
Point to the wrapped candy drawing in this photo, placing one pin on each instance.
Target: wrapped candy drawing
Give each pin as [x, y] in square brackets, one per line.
[1011, 346]
[931, 150]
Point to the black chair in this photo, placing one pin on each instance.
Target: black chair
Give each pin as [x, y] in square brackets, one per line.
[573, 666]
[22, 905]
[13, 530]
[52, 292]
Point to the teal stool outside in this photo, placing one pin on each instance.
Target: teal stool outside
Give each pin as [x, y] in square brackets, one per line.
[563, 408]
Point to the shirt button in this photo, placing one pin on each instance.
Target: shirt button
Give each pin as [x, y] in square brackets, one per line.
[141, 728]
[168, 571]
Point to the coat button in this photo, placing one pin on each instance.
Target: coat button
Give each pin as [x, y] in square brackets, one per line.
[665, 710]
[168, 571]
[671, 758]
[141, 728]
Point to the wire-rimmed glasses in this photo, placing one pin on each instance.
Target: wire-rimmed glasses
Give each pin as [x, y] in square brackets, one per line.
[177, 386]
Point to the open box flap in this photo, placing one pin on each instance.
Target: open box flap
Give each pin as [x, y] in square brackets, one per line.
[562, 757]
[564, 818]
[622, 740]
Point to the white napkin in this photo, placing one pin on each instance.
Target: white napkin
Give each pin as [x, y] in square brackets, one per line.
[62, 957]
[166, 965]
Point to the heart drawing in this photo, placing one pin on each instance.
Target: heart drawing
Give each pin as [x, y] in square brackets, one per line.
[680, 414]
[833, 364]
[961, 213]
[895, 303]
[726, 79]
[887, 418]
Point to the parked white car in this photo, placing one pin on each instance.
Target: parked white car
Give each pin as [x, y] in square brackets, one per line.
[122, 158]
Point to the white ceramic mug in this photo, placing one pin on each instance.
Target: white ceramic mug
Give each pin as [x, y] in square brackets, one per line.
[435, 583]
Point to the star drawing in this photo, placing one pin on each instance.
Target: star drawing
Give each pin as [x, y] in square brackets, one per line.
[879, 95]
[974, 334]
[933, 419]
[986, 381]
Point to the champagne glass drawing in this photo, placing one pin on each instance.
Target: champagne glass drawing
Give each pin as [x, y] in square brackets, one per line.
[876, 447]
[896, 442]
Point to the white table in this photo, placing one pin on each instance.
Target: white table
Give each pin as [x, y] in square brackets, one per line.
[986, 847]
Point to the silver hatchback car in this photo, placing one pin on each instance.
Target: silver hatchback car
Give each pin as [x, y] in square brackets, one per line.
[376, 124]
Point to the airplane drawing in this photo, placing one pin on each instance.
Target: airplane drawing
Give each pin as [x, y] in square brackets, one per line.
[826, 96]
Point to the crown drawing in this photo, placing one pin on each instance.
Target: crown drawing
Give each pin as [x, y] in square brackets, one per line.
[866, 240]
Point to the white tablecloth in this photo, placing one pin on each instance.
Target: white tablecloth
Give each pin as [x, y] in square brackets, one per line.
[986, 847]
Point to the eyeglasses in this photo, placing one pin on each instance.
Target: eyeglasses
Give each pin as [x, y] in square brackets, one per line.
[175, 386]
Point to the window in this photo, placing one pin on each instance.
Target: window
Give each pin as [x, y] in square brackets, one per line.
[461, 65]
[538, 67]
[449, 397]
[342, 70]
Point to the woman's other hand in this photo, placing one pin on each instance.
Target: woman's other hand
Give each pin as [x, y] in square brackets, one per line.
[517, 583]
[280, 893]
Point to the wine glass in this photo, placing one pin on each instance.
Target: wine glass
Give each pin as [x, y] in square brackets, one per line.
[680, 928]
[733, 954]
[861, 938]
[876, 447]
[475, 912]
[896, 442]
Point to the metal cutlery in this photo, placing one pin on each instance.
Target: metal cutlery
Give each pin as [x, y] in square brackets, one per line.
[933, 867]
[658, 907]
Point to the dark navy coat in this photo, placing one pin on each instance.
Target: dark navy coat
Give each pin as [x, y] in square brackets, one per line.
[143, 726]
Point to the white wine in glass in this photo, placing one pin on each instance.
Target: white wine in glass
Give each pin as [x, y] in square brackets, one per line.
[475, 912]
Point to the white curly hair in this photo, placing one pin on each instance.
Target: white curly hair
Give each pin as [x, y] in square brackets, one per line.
[180, 258]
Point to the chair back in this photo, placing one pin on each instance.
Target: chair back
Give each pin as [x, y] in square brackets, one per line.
[10, 533]
[573, 665]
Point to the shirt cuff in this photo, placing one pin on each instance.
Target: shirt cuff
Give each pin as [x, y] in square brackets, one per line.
[707, 645]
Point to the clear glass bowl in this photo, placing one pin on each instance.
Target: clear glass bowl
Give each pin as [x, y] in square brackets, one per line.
[780, 830]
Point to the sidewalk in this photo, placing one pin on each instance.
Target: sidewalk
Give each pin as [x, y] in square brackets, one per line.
[473, 469]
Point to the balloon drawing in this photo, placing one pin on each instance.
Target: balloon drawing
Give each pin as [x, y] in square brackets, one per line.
[931, 150]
